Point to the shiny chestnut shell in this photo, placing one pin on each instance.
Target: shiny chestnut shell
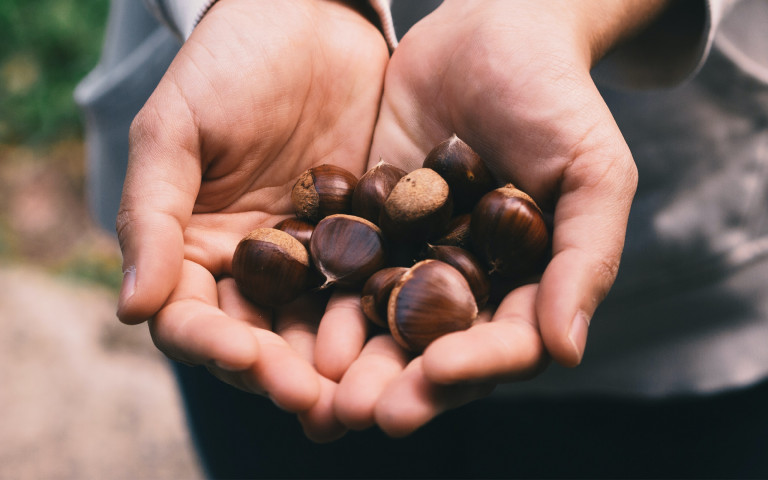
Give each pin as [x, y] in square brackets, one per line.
[375, 294]
[463, 169]
[509, 233]
[323, 190]
[347, 250]
[299, 229]
[469, 266]
[457, 232]
[431, 299]
[270, 267]
[373, 188]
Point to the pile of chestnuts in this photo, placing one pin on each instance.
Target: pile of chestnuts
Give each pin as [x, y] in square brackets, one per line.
[426, 249]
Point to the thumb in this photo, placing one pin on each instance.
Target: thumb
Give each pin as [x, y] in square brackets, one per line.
[589, 230]
[160, 188]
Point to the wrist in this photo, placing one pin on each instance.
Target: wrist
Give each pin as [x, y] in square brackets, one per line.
[604, 24]
[586, 29]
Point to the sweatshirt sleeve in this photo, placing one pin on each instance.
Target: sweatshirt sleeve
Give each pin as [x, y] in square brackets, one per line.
[181, 16]
[383, 9]
[669, 51]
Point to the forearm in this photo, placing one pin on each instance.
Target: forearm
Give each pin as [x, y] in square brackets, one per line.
[605, 24]
[670, 49]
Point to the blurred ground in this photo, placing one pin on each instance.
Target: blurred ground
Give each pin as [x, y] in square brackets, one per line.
[81, 396]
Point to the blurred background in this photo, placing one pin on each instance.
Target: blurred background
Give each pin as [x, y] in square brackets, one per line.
[81, 396]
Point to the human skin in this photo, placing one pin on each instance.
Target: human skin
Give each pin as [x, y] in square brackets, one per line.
[512, 80]
[260, 92]
[253, 100]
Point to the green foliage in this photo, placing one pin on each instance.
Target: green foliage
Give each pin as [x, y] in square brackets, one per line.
[92, 267]
[47, 47]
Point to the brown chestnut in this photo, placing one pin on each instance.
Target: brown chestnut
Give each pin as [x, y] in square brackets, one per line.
[347, 250]
[270, 267]
[429, 300]
[509, 232]
[457, 233]
[299, 229]
[418, 208]
[463, 169]
[375, 294]
[469, 266]
[323, 190]
[373, 188]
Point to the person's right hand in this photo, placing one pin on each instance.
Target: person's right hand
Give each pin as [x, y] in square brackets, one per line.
[260, 92]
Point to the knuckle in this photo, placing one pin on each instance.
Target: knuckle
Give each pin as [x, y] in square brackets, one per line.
[122, 223]
[141, 127]
[604, 272]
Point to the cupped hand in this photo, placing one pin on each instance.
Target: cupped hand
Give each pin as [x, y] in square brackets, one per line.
[512, 79]
[260, 92]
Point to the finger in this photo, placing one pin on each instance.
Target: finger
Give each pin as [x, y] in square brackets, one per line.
[582, 167]
[279, 371]
[289, 379]
[280, 374]
[234, 305]
[509, 348]
[193, 330]
[283, 371]
[411, 400]
[297, 323]
[589, 228]
[380, 362]
[160, 187]
[238, 380]
[319, 422]
[340, 336]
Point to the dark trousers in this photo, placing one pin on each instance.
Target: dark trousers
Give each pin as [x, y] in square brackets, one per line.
[722, 436]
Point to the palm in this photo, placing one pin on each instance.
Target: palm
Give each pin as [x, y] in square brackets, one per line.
[273, 119]
[524, 109]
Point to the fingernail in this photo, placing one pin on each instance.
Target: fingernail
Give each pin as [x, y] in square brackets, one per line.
[578, 332]
[129, 286]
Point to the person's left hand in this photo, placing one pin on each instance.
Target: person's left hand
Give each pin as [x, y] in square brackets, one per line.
[513, 80]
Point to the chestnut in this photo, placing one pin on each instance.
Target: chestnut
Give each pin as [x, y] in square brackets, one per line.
[375, 294]
[418, 208]
[373, 188]
[469, 266]
[323, 190]
[508, 232]
[457, 233]
[347, 250]
[299, 229]
[270, 267]
[429, 300]
[463, 169]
